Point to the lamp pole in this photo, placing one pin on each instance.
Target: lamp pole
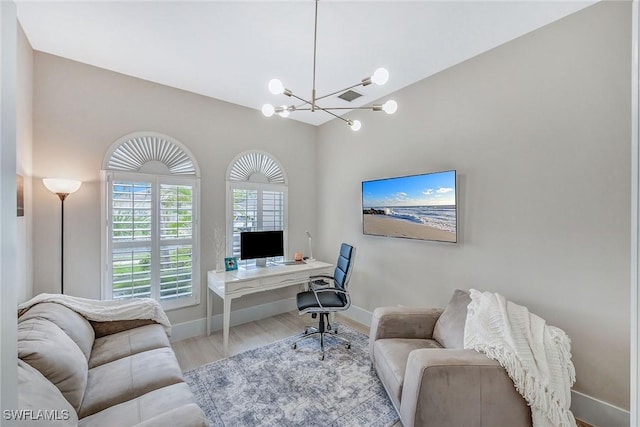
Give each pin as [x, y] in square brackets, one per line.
[62, 188]
[62, 197]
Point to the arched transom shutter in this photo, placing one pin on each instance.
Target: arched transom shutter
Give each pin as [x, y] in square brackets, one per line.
[134, 153]
[253, 164]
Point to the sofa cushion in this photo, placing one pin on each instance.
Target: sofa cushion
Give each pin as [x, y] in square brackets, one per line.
[73, 324]
[43, 345]
[39, 395]
[391, 356]
[126, 343]
[449, 329]
[127, 378]
[141, 408]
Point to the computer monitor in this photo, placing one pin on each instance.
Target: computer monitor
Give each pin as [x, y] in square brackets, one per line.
[261, 245]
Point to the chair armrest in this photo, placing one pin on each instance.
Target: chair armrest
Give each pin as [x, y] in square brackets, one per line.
[184, 416]
[402, 322]
[317, 281]
[450, 387]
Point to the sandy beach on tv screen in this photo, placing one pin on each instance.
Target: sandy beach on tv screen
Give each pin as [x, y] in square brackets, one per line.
[386, 226]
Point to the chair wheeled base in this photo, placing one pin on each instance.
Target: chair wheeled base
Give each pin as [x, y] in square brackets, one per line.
[322, 331]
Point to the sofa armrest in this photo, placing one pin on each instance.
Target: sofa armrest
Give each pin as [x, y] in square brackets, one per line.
[402, 322]
[185, 416]
[450, 387]
[102, 329]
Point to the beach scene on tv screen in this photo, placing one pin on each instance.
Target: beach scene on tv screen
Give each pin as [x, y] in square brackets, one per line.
[414, 207]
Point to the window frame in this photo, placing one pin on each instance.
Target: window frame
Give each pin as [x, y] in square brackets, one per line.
[107, 178]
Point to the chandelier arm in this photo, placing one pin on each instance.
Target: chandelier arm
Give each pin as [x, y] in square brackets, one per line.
[339, 91]
[293, 95]
[370, 107]
[333, 114]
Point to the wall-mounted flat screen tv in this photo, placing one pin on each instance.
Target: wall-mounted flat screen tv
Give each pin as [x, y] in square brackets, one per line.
[414, 207]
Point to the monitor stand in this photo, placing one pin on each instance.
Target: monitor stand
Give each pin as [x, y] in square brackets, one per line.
[261, 262]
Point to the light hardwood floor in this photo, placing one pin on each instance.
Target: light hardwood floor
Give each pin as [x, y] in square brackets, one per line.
[194, 352]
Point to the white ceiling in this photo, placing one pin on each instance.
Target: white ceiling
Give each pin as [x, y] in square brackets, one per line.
[229, 50]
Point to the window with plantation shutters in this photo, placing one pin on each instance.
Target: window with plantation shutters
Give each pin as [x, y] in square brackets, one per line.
[151, 221]
[257, 199]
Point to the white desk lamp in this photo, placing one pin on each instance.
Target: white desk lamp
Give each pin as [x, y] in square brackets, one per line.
[310, 250]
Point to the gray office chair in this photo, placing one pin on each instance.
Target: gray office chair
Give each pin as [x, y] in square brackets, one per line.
[326, 295]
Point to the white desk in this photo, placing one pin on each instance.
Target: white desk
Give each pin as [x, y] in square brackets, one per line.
[234, 284]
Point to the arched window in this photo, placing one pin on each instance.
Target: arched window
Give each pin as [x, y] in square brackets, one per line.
[256, 199]
[151, 216]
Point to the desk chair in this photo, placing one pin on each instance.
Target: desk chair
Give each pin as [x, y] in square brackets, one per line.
[326, 295]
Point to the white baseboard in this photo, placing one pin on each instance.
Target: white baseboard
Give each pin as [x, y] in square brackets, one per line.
[359, 315]
[598, 413]
[586, 408]
[198, 327]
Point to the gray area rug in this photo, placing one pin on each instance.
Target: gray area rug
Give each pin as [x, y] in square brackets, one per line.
[275, 385]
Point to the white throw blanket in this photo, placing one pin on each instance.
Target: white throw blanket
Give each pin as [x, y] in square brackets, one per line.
[106, 311]
[536, 356]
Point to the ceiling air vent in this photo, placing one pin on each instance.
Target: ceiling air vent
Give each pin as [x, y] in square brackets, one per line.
[350, 95]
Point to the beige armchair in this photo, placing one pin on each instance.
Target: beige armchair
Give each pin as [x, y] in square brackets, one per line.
[432, 381]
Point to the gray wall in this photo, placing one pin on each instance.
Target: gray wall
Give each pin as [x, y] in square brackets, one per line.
[24, 155]
[539, 132]
[9, 93]
[80, 110]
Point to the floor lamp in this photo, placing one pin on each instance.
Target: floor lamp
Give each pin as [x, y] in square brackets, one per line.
[62, 187]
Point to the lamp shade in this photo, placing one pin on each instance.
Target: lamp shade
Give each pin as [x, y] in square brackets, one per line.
[61, 186]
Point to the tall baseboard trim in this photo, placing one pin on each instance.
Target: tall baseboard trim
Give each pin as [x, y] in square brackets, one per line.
[198, 327]
[359, 315]
[598, 413]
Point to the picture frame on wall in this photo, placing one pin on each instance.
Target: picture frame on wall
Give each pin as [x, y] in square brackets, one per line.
[20, 191]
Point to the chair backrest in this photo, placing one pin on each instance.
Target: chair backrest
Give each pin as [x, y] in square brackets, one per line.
[344, 266]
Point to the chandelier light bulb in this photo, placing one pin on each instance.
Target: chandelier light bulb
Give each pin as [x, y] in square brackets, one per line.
[380, 76]
[390, 106]
[285, 111]
[276, 87]
[355, 125]
[268, 110]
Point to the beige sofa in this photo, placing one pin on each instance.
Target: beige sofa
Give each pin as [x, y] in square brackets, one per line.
[74, 372]
[432, 381]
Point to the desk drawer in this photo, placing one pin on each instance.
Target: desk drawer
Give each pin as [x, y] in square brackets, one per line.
[292, 278]
[242, 285]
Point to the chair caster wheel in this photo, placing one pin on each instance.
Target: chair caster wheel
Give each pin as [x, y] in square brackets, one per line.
[321, 357]
[348, 346]
[294, 345]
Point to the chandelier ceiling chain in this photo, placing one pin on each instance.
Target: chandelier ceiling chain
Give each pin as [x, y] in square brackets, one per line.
[379, 77]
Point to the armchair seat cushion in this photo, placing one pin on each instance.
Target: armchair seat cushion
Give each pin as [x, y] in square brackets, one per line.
[392, 354]
[307, 300]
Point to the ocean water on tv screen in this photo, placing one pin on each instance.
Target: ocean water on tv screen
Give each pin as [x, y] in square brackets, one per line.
[441, 217]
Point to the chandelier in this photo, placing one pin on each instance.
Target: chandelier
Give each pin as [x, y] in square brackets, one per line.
[379, 77]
